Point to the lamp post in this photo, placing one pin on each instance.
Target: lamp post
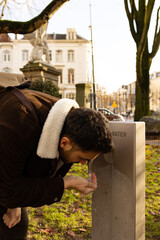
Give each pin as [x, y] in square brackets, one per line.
[119, 102]
[94, 93]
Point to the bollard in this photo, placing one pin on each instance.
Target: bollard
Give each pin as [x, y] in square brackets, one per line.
[118, 204]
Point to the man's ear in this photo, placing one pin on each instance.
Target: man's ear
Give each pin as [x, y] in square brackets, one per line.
[65, 143]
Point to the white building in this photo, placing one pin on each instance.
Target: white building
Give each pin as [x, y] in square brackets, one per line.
[155, 91]
[69, 53]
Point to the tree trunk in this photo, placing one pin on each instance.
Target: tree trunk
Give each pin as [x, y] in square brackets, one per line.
[142, 86]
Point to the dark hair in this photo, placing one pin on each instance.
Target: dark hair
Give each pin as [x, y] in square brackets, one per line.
[89, 129]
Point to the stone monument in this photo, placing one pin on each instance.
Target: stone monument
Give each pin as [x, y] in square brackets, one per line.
[39, 67]
[118, 204]
[40, 46]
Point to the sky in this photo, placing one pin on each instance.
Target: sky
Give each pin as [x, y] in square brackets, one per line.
[113, 46]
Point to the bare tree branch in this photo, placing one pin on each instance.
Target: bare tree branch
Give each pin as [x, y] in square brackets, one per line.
[156, 42]
[133, 8]
[7, 26]
[130, 16]
[143, 39]
[147, 18]
[4, 3]
[140, 18]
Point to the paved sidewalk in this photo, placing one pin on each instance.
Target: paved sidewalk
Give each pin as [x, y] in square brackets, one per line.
[153, 142]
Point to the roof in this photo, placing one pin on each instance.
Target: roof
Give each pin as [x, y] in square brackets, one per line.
[4, 37]
[52, 36]
[59, 36]
[11, 79]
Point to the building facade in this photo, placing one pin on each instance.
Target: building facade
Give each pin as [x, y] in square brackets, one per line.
[69, 53]
[125, 96]
[155, 91]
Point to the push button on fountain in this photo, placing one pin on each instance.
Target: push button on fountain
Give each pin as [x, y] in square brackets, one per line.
[55, 199]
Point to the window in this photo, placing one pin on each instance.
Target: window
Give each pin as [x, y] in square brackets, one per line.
[71, 35]
[25, 55]
[151, 76]
[50, 55]
[70, 95]
[70, 56]
[7, 70]
[60, 77]
[6, 56]
[158, 74]
[71, 76]
[58, 55]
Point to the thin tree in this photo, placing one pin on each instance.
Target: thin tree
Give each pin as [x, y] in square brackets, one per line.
[139, 22]
[8, 26]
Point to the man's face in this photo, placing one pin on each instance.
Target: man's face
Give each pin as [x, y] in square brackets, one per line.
[71, 153]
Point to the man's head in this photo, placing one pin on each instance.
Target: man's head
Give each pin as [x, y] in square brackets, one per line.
[85, 131]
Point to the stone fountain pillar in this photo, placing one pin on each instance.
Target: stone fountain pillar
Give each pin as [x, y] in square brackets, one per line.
[118, 204]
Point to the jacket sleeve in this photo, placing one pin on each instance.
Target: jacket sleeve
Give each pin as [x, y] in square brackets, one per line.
[17, 142]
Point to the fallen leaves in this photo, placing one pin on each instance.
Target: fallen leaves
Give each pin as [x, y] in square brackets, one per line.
[82, 229]
[151, 212]
[49, 230]
[73, 235]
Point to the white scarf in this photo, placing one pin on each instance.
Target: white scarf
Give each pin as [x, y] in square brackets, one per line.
[49, 139]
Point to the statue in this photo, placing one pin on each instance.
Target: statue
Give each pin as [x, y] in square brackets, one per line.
[38, 67]
[40, 45]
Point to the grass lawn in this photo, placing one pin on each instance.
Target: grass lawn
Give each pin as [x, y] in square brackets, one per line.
[71, 218]
[152, 193]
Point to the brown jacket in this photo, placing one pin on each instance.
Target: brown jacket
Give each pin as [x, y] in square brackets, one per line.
[25, 178]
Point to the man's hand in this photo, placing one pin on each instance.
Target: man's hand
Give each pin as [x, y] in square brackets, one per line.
[82, 185]
[12, 217]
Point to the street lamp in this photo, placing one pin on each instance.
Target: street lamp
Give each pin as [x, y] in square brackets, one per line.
[94, 93]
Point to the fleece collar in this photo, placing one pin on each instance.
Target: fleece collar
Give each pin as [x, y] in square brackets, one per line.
[49, 139]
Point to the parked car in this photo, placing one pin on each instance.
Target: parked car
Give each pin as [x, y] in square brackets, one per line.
[110, 115]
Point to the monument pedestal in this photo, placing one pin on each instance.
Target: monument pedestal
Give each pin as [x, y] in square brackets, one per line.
[118, 204]
[41, 71]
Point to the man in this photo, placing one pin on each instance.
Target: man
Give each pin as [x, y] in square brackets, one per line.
[37, 150]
